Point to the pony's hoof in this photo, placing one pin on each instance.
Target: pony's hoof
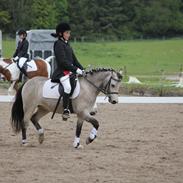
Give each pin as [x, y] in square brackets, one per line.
[41, 138]
[77, 146]
[80, 146]
[24, 143]
[89, 140]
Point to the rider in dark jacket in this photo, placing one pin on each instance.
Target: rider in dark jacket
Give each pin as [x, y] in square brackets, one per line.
[21, 50]
[67, 63]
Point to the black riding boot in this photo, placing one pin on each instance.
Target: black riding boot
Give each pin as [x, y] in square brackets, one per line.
[23, 70]
[66, 112]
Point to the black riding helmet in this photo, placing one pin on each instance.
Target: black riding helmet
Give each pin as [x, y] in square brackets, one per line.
[61, 28]
[22, 31]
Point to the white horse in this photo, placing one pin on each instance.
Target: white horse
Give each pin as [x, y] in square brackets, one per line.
[31, 105]
[11, 72]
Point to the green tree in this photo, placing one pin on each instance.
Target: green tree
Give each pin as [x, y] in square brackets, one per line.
[62, 10]
[159, 18]
[44, 14]
[19, 11]
[4, 16]
[96, 18]
[4, 19]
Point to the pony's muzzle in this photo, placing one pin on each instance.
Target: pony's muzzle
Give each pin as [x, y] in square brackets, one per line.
[113, 101]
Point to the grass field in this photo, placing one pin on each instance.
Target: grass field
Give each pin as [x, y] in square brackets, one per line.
[149, 57]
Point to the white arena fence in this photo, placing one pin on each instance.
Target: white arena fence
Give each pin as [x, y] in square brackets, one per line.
[123, 100]
[0, 43]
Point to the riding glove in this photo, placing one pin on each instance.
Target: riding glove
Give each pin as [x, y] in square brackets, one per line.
[16, 58]
[79, 71]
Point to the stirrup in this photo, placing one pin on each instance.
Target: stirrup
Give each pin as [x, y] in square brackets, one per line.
[65, 114]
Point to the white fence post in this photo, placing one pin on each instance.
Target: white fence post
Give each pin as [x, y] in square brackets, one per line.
[0, 43]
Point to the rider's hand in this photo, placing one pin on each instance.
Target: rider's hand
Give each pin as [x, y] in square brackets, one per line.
[15, 59]
[79, 71]
[84, 73]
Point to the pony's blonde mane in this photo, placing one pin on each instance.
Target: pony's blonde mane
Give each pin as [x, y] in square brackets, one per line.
[97, 70]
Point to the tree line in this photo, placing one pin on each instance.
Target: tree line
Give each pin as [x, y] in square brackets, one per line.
[91, 19]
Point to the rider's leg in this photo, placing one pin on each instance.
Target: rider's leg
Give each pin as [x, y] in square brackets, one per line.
[21, 65]
[67, 90]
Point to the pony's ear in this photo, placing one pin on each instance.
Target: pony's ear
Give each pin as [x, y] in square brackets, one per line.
[120, 71]
[119, 74]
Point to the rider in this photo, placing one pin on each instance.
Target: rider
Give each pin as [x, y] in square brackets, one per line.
[21, 54]
[67, 63]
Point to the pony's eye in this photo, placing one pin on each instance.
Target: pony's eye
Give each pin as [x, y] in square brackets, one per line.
[113, 85]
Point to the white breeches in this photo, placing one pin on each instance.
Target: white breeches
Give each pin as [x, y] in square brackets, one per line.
[65, 80]
[21, 61]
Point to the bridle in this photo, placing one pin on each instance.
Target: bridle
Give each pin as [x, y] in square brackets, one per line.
[106, 89]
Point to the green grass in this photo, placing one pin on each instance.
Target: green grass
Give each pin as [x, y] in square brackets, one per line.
[139, 57]
[150, 90]
[8, 48]
[149, 57]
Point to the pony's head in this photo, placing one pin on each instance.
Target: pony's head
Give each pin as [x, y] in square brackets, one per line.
[4, 62]
[113, 86]
[110, 82]
[1, 59]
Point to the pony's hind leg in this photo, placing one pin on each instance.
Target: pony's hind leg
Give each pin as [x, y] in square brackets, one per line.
[35, 118]
[24, 136]
[79, 125]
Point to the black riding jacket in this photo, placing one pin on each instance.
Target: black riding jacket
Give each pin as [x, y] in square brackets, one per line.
[22, 49]
[65, 59]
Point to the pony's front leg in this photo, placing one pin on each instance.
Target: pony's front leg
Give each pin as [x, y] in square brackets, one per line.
[94, 109]
[93, 133]
[76, 142]
[11, 89]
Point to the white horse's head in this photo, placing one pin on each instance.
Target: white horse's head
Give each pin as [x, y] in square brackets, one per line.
[2, 62]
[5, 62]
[8, 64]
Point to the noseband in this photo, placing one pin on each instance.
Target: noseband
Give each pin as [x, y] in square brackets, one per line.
[105, 90]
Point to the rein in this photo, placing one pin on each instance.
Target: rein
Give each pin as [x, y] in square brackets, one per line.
[7, 66]
[106, 89]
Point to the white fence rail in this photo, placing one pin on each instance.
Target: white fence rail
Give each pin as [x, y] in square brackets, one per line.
[0, 44]
[123, 100]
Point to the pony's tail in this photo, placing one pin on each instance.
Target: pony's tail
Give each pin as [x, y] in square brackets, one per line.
[17, 112]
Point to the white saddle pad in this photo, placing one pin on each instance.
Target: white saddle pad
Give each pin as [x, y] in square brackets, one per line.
[31, 65]
[50, 90]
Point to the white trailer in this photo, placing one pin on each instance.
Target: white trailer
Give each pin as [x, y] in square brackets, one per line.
[40, 44]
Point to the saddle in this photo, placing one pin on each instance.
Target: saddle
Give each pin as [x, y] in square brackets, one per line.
[25, 65]
[73, 82]
[54, 89]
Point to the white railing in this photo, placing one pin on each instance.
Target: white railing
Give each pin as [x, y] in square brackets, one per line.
[123, 100]
[0, 44]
